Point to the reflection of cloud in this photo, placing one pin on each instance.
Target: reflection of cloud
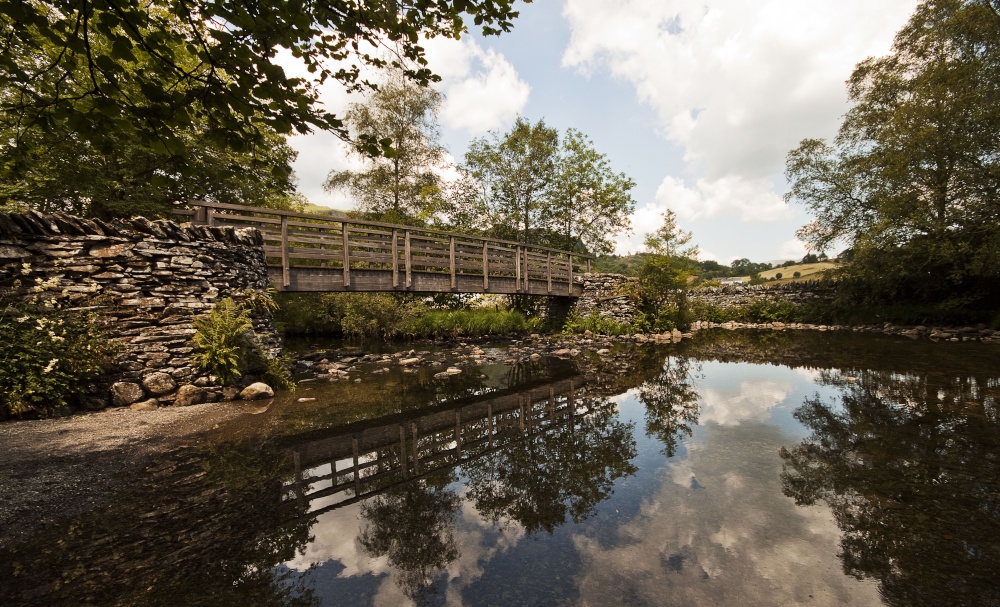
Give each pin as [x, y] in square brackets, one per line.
[752, 401]
[808, 373]
[735, 540]
[335, 539]
[335, 536]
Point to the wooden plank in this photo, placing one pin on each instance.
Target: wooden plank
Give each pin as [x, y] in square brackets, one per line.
[344, 229]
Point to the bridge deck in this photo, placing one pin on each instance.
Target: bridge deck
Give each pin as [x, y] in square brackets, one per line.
[318, 253]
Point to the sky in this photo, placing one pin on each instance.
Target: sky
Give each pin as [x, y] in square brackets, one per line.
[698, 101]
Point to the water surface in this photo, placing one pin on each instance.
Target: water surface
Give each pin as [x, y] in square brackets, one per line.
[738, 468]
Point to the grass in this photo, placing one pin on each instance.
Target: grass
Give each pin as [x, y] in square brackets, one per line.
[807, 271]
[472, 323]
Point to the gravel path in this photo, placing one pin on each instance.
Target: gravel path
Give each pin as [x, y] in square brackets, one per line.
[54, 468]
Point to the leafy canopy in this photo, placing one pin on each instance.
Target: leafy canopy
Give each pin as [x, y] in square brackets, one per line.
[911, 182]
[403, 185]
[529, 186]
[144, 69]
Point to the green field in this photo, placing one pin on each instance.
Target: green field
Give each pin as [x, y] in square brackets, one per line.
[807, 271]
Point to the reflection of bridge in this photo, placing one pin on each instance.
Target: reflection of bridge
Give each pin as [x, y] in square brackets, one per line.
[360, 460]
[319, 253]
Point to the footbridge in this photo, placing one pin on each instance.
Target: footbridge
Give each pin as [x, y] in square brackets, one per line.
[307, 252]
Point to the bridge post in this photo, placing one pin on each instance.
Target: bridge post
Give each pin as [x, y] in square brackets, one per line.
[395, 258]
[285, 271]
[569, 284]
[451, 255]
[486, 266]
[548, 269]
[517, 268]
[406, 252]
[347, 253]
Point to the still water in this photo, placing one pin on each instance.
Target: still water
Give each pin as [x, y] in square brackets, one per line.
[737, 468]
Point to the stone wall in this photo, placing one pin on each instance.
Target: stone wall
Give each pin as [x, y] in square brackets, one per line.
[607, 295]
[740, 295]
[151, 279]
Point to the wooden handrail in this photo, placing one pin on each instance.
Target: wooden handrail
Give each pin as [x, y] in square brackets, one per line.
[352, 221]
[432, 260]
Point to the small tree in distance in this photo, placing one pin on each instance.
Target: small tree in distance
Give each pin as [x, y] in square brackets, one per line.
[664, 273]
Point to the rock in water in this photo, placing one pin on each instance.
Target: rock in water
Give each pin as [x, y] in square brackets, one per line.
[257, 391]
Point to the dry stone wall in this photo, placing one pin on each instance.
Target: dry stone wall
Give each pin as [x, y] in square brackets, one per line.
[730, 296]
[607, 295]
[151, 279]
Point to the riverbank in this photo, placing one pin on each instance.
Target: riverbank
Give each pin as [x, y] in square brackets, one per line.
[61, 467]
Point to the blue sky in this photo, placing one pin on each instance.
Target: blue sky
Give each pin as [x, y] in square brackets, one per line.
[697, 100]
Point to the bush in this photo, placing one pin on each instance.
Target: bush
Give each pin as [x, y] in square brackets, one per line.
[49, 353]
[797, 274]
[227, 346]
[370, 315]
[472, 323]
[595, 323]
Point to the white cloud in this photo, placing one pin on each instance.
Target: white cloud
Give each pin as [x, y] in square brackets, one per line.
[737, 83]
[792, 249]
[482, 92]
[482, 89]
[751, 200]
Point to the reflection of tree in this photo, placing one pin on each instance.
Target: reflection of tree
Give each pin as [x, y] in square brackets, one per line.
[909, 465]
[563, 471]
[412, 525]
[194, 527]
[671, 403]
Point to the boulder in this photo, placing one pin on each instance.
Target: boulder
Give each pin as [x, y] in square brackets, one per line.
[409, 361]
[189, 395]
[231, 393]
[125, 393]
[158, 384]
[257, 391]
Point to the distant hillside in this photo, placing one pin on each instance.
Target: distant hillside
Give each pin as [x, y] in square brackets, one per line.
[807, 271]
[316, 209]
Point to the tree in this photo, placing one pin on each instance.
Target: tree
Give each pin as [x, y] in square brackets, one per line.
[526, 186]
[911, 181]
[79, 161]
[59, 171]
[145, 70]
[512, 176]
[664, 273]
[590, 203]
[401, 186]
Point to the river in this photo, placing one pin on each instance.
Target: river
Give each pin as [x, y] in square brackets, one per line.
[734, 468]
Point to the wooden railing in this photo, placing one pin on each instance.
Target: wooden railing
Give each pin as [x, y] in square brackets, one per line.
[309, 252]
